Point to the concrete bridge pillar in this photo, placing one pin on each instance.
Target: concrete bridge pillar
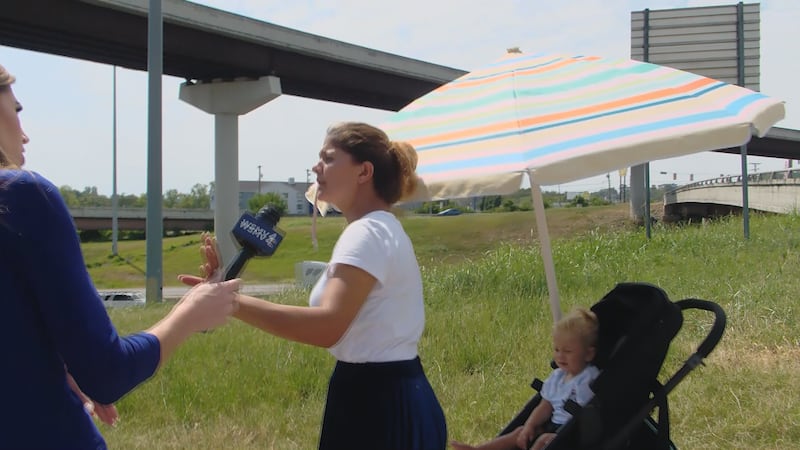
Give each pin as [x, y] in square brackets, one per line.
[638, 192]
[227, 100]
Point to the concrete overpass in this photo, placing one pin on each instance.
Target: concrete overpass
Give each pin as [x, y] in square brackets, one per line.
[202, 44]
[232, 64]
[776, 192]
[135, 219]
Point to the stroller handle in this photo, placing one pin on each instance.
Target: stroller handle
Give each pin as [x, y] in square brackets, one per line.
[708, 344]
[720, 320]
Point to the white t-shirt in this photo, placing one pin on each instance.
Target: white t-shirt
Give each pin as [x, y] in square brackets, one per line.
[556, 391]
[391, 320]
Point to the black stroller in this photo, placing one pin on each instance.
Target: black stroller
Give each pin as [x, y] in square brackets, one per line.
[637, 322]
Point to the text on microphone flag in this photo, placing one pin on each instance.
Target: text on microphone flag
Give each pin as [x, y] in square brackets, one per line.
[263, 237]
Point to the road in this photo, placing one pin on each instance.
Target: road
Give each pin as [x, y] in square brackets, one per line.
[173, 292]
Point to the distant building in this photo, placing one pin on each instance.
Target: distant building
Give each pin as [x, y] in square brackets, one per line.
[571, 195]
[292, 192]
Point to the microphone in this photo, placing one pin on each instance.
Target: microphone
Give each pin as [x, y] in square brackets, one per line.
[257, 236]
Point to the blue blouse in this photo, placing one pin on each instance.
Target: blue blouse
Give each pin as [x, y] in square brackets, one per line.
[52, 317]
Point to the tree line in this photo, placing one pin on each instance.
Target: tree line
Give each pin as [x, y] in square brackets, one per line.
[198, 198]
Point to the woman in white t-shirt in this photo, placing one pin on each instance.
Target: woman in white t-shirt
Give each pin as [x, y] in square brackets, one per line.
[367, 307]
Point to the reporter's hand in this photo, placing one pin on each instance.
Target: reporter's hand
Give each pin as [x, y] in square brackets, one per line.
[106, 413]
[207, 305]
[210, 267]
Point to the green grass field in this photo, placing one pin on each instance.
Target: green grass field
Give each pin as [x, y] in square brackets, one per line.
[438, 240]
[487, 332]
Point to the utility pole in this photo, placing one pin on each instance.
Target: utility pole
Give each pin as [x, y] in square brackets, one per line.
[114, 197]
[608, 177]
[259, 180]
[308, 185]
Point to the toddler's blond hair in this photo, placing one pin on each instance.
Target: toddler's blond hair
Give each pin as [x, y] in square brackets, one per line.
[580, 322]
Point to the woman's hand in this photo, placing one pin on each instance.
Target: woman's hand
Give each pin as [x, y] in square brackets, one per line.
[209, 269]
[207, 305]
[106, 413]
[204, 307]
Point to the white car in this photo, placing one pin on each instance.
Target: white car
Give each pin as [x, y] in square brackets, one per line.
[118, 299]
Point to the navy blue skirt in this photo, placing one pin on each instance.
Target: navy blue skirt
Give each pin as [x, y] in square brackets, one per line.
[382, 406]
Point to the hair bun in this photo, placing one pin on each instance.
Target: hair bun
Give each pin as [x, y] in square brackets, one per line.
[5, 77]
[407, 159]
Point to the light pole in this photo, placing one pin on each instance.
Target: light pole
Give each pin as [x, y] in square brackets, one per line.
[114, 200]
[259, 180]
[308, 185]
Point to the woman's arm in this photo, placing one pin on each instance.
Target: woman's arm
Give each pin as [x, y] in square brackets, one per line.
[105, 365]
[204, 307]
[345, 292]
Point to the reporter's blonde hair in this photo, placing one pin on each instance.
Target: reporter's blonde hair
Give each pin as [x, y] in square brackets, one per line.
[5, 77]
[5, 81]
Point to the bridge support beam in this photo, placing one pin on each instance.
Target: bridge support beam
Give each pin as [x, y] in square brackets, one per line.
[638, 193]
[227, 100]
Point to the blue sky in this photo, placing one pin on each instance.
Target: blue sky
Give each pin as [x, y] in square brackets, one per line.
[68, 103]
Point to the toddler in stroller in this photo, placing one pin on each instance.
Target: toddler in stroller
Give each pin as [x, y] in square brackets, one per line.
[574, 340]
[636, 323]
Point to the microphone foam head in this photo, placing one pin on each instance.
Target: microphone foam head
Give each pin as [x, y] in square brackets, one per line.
[270, 214]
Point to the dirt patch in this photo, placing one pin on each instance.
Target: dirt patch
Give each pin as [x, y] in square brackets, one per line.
[572, 222]
[763, 359]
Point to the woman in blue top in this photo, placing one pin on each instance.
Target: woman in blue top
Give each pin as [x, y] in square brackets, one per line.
[55, 330]
[367, 308]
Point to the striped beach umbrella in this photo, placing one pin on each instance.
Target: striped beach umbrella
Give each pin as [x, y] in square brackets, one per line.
[556, 119]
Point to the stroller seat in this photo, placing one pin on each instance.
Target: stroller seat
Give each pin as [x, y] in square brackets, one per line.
[637, 322]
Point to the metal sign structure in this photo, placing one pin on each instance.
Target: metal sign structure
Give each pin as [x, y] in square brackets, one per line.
[720, 42]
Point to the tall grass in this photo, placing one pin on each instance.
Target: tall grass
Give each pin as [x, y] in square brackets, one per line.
[487, 336]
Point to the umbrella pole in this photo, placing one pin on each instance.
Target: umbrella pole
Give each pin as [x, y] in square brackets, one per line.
[547, 252]
[745, 198]
[647, 223]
